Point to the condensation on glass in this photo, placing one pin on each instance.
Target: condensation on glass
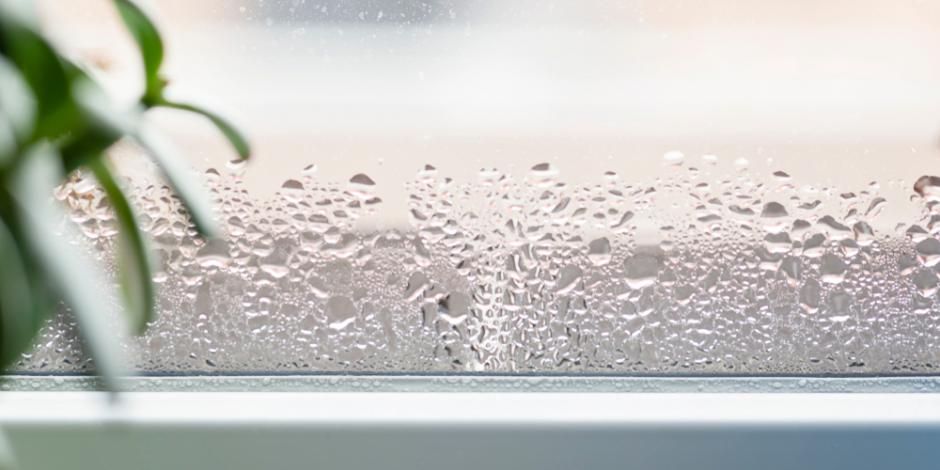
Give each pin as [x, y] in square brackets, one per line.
[533, 187]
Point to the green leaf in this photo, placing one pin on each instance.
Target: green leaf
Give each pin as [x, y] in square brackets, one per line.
[103, 123]
[133, 256]
[234, 136]
[7, 456]
[21, 11]
[23, 301]
[180, 176]
[97, 108]
[7, 142]
[73, 276]
[148, 39]
[43, 70]
[16, 101]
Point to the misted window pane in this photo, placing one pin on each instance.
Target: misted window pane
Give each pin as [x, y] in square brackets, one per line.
[548, 187]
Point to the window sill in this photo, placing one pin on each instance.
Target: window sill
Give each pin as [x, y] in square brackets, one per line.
[461, 430]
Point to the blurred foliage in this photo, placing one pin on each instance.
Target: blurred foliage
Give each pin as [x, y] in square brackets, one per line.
[55, 119]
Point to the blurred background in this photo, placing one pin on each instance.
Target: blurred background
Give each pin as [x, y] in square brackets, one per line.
[837, 92]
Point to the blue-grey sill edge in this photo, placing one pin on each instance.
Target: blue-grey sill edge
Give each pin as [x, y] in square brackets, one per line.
[482, 383]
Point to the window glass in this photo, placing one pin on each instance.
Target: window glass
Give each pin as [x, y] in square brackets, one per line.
[588, 186]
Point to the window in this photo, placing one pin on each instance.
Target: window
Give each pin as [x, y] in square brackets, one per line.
[539, 187]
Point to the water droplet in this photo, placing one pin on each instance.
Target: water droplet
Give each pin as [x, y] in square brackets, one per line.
[340, 312]
[743, 211]
[316, 286]
[926, 282]
[673, 157]
[835, 230]
[310, 169]
[562, 205]
[778, 242]
[640, 270]
[237, 167]
[454, 308]
[774, 217]
[568, 279]
[907, 265]
[832, 269]
[792, 270]
[488, 175]
[544, 170]
[928, 252]
[599, 251]
[361, 179]
[427, 173]
[417, 283]
[214, 254]
[773, 210]
[275, 264]
[360, 185]
[840, 306]
[864, 234]
[622, 223]
[810, 296]
[212, 175]
[293, 190]
[928, 187]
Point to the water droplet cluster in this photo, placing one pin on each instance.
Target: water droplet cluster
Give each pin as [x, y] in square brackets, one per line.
[697, 272]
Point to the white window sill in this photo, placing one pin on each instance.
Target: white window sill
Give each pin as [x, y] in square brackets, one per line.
[234, 430]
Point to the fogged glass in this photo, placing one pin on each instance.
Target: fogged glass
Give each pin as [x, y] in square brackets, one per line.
[729, 187]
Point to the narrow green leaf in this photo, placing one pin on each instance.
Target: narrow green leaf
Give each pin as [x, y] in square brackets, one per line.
[180, 176]
[133, 256]
[103, 123]
[7, 456]
[21, 11]
[43, 71]
[98, 109]
[7, 142]
[74, 277]
[16, 101]
[148, 39]
[234, 136]
[23, 302]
